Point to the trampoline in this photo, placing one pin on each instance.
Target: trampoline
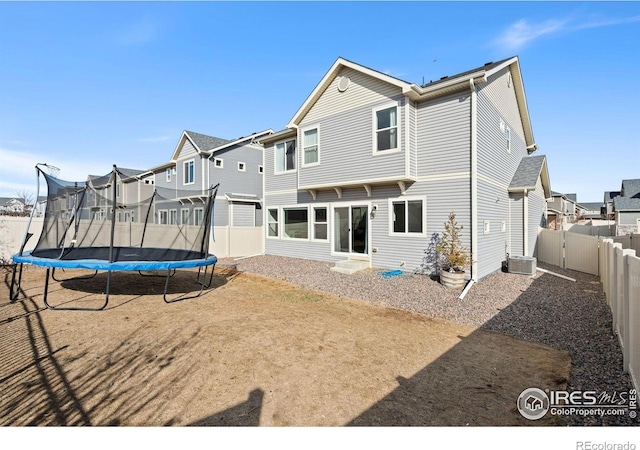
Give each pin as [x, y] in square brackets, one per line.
[90, 225]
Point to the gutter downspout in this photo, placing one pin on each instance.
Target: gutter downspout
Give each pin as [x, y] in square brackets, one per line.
[525, 224]
[474, 183]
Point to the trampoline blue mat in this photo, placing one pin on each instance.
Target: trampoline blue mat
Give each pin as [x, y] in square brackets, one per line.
[126, 258]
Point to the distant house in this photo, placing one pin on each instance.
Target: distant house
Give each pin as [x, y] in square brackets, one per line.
[626, 208]
[590, 210]
[370, 166]
[12, 206]
[607, 213]
[199, 162]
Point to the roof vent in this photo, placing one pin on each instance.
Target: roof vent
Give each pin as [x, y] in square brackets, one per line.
[343, 84]
[445, 77]
[489, 63]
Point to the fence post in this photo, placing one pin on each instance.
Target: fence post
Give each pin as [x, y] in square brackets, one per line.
[614, 285]
[626, 300]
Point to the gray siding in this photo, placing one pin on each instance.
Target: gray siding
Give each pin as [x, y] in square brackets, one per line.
[346, 149]
[277, 182]
[516, 213]
[493, 206]
[537, 218]
[220, 212]
[363, 91]
[497, 101]
[392, 251]
[230, 178]
[628, 217]
[243, 214]
[443, 137]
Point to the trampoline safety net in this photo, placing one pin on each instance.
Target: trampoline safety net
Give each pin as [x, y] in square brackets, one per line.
[124, 218]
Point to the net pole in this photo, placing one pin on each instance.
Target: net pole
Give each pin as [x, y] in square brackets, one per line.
[113, 212]
[33, 211]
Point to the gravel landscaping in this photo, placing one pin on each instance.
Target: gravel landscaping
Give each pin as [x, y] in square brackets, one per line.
[545, 309]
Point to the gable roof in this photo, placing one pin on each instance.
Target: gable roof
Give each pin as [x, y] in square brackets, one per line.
[201, 142]
[592, 206]
[529, 170]
[443, 86]
[610, 195]
[630, 188]
[629, 199]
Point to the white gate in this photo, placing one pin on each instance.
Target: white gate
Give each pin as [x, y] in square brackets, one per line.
[551, 247]
[581, 253]
[569, 250]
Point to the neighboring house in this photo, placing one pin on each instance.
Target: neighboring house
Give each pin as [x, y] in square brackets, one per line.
[370, 166]
[591, 210]
[608, 213]
[12, 205]
[626, 208]
[561, 209]
[200, 162]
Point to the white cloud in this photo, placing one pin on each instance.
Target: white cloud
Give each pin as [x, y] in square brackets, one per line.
[155, 139]
[18, 173]
[522, 32]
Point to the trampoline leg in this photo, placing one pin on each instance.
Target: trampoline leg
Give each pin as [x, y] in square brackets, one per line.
[58, 308]
[86, 277]
[14, 294]
[203, 286]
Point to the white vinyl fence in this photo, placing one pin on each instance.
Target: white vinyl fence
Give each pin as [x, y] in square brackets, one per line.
[226, 242]
[620, 275]
[573, 251]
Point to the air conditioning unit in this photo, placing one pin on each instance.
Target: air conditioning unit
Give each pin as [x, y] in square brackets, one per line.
[525, 265]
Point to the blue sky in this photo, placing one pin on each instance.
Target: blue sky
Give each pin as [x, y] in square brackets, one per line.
[85, 85]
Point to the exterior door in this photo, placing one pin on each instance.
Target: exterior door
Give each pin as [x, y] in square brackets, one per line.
[351, 229]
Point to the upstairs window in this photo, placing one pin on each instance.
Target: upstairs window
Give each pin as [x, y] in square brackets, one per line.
[310, 146]
[168, 175]
[286, 156]
[386, 129]
[508, 135]
[217, 162]
[189, 172]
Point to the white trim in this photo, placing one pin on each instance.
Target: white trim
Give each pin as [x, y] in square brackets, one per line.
[242, 166]
[166, 212]
[195, 216]
[356, 183]
[282, 222]
[350, 254]
[313, 222]
[275, 156]
[284, 191]
[277, 222]
[184, 172]
[486, 227]
[374, 128]
[474, 179]
[302, 152]
[182, 211]
[406, 199]
[216, 160]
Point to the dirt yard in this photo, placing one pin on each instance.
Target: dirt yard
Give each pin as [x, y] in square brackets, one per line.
[252, 351]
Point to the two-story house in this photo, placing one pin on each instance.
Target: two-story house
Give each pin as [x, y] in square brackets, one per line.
[370, 166]
[200, 162]
[626, 208]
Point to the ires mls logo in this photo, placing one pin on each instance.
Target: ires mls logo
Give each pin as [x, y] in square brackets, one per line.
[533, 403]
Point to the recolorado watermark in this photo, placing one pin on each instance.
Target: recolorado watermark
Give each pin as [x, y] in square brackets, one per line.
[588, 445]
[534, 404]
